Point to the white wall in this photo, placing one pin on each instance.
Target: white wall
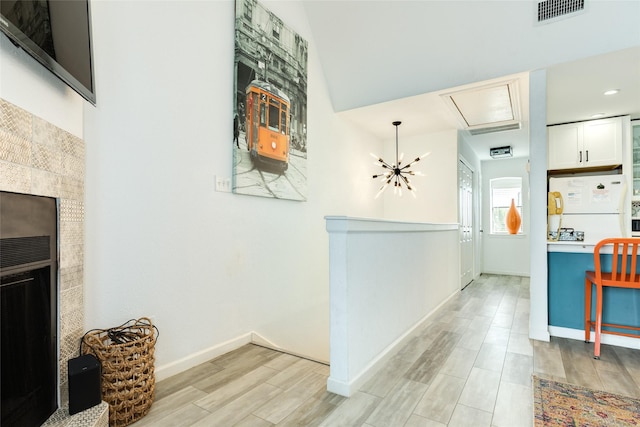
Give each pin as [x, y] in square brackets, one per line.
[437, 192]
[539, 315]
[29, 85]
[208, 267]
[506, 254]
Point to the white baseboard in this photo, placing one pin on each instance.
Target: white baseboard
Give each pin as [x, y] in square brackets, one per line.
[506, 273]
[181, 365]
[340, 387]
[541, 334]
[173, 368]
[348, 388]
[258, 339]
[578, 334]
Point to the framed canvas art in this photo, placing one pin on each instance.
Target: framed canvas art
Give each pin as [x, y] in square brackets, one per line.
[270, 106]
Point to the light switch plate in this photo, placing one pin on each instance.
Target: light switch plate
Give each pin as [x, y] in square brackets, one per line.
[223, 184]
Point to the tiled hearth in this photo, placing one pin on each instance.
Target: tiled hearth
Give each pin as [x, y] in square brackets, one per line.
[39, 158]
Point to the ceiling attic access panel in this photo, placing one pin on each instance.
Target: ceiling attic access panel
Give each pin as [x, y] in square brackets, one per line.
[486, 109]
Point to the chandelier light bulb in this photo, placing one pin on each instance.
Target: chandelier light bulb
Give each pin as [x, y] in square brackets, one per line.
[384, 187]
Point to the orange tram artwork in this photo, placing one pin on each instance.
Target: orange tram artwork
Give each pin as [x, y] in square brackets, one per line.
[267, 124]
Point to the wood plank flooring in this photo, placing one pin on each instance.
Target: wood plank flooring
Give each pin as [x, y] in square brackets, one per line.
[471, 365]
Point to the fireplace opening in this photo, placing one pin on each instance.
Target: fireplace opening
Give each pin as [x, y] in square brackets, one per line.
[28, 309]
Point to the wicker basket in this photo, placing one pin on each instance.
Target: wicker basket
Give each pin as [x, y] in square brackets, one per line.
[126, 353]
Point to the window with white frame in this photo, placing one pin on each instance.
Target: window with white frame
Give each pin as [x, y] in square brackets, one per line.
[503, 190]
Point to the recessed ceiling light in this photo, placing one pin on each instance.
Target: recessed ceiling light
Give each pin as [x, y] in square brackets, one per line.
[612, 91]
[597, 115]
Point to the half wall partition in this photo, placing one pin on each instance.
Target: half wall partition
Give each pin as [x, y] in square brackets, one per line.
[386, 279]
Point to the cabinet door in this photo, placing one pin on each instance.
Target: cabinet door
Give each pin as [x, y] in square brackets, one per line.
[564, 146]
[603, 142]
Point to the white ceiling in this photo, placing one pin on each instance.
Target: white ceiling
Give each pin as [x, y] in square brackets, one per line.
[391, 60]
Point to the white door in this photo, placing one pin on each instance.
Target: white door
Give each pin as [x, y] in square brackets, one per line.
[465, 217]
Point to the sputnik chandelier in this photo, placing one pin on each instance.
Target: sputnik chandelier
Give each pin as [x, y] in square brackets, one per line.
[397, 173]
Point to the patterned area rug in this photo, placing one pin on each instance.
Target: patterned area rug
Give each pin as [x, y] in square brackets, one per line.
[559, 404]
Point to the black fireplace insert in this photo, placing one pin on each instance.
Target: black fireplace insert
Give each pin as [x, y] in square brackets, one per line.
[28, 309]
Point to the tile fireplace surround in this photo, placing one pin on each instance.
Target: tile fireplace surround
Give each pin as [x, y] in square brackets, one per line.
[38, 158]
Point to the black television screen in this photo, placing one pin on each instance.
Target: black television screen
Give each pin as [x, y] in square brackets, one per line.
[57, 33]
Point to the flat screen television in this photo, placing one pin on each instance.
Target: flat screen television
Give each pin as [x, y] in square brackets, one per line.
[57, 33]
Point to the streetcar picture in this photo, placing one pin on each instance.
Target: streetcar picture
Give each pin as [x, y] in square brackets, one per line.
[269, 145]
[267, 125]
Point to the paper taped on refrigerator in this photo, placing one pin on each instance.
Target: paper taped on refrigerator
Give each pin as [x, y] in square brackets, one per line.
[591, 194]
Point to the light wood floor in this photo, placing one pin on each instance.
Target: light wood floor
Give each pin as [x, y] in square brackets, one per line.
[470, 366]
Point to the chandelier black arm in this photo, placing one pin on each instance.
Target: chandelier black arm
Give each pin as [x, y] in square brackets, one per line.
[406, 182]
[386, 183]
[412, 163]
[383, 174]
[385, 165]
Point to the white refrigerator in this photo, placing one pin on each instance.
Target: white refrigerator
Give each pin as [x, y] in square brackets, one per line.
[594, 205]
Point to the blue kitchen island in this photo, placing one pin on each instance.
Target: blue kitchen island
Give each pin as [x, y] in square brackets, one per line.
[567, 263]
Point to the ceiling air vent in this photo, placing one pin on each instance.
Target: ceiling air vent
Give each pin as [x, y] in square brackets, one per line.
[549, 10]
[482, 131]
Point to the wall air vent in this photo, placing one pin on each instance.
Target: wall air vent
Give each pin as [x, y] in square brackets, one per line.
[552, 10]
[500, 152]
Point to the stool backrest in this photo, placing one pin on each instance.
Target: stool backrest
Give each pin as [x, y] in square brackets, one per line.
[624, 259]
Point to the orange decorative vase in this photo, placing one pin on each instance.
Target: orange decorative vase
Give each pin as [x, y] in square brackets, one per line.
[513, 219]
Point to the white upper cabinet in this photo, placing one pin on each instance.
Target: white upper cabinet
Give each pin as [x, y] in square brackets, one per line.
[585, 144]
